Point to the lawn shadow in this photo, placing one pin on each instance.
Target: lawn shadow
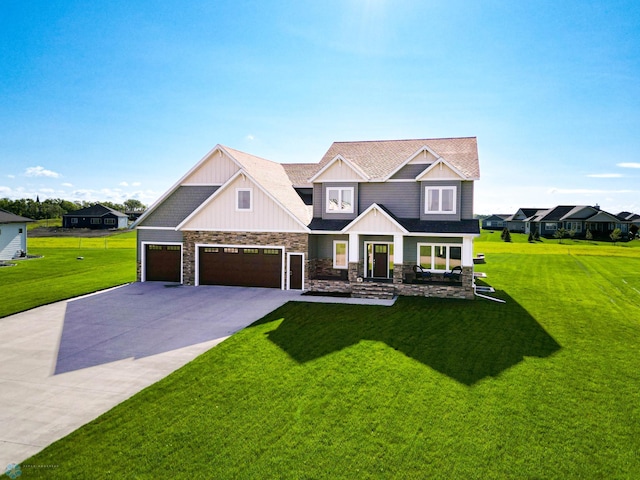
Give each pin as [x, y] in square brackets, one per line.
[467, 341]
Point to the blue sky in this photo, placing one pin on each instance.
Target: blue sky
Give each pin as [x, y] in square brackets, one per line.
[116, 100]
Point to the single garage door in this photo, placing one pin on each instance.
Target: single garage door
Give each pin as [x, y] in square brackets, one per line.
[162, 263]
[243, 267]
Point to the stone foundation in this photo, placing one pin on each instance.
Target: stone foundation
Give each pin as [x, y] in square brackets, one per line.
[292, 242]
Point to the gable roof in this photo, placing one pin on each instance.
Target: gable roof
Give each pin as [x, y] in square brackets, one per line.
[381, 158]
[8, 217]
[96, 210]
[273, 178]
[300, 173]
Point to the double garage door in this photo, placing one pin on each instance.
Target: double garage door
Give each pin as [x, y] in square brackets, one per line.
[239, 266]
[236, 266]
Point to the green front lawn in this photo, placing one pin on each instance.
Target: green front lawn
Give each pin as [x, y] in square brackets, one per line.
[544, 386]
[59, 274]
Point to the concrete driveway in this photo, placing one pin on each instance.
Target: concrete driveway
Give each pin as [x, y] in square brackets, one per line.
[62, 365]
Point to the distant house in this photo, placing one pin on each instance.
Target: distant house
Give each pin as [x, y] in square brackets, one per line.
[95, 217]
[575, 218]
[496, 222]
[13, 235]
[519, 221]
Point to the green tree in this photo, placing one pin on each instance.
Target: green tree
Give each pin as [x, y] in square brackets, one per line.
[559, 234]
[505, 235]
[133, 205]
[615, 235]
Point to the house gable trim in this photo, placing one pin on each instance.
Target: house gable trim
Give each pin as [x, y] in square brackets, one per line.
[422, 150]
[438, 164]
[223, 188]
[339, 158]
[374, 209]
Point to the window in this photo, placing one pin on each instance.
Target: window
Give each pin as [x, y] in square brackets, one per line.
[74, 220]
[109, 221]
[340, 254]
[250, 250]
[439, 257]
[550, 226]
[440, 200]
[230, 250]
[575, 226]
[271, 251]
[340, 200]
[96, 221]
[244, 199]
[211, 250]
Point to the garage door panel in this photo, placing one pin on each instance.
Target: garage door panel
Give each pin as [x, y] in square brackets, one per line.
[163, 263]
[247, 267]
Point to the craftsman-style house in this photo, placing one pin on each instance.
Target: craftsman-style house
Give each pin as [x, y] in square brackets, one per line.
[373, 218]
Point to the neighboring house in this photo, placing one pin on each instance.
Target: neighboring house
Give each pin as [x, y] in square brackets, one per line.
[13, 235]
[356, 222]
[496, 222]
[96, 217]
[575, 218]
[520, 221]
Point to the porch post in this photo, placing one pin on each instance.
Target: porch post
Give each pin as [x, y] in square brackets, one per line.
[354, 256]
[398, 258]
[467, 251]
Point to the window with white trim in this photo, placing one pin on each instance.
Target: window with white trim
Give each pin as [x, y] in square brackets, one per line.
[550, 226]
[340, 254]
[440, 199]
[109, 221]
[439, 257]
[244, 199]
[340, 199]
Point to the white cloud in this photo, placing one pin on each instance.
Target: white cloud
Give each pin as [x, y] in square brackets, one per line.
[11, 176]
[250, 137]
[67, 184]
[123, 184]
[41, 172]
[605, 175]
[136, 184]
[584, 191]
[629, 165]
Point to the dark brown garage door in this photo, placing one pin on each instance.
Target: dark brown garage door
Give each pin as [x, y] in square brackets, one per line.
[244, 267]
[162, 263]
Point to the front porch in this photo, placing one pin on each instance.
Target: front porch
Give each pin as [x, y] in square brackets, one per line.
[362, 279]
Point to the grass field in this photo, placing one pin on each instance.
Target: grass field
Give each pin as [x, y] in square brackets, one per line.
[544, 386]
[58, 274]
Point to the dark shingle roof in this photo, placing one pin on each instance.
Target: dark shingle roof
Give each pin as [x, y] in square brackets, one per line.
[96, 210]
[8, 217]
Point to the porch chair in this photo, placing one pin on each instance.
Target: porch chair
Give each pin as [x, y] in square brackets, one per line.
[421, 273]
[455, 274]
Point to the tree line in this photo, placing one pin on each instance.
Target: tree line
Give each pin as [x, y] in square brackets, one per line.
[56, 207]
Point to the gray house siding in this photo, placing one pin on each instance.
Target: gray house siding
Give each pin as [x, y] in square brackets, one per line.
[319, 201]
[442, 217]
[178, 206]
[145, 235]
[409, 172]
[466, 200]
[400, 198]
[11, 240]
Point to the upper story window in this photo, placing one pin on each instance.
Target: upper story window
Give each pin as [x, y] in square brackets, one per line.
[244, 199]
[340, 199]
[440, 200]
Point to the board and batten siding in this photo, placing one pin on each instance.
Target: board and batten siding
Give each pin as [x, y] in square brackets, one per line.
[215, 170]
[400, 198]
[160, 236]
[221, 213]
[11, 240]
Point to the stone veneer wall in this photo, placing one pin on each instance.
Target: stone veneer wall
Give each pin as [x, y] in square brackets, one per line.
[293, 242]
[464, 291]
[323, 267]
